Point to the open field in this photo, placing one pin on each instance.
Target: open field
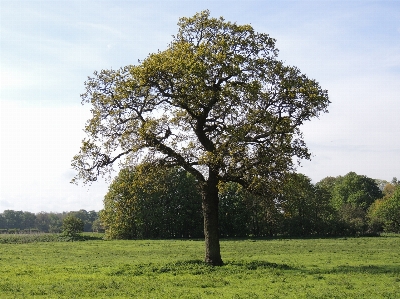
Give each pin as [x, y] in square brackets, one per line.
[287, 268]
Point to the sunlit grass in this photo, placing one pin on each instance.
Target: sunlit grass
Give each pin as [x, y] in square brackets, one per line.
[287, 268]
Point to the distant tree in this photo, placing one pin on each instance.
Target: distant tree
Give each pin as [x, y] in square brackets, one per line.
[352, 220]
[357, 190]
[92, 216]
[325, 190]
[55, 222]
[389, 189]
[381, 183]
[327, 184]
[85, 217]
[375, 217]
[234, 214]
[384, 213]
[49, 222]
[325, 216]
[217, 102]
[42, 222]
[391, 212]
[72, 226]
[28, 220]
[97, 226]
[152, 202]
[3, 224]
[266, 215]
[119, 213]
[295, 201]
[13, 219]
[245, 214]
[352, 196]
[306, 208]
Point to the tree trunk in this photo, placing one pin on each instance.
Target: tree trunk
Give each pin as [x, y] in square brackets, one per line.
[210, 213]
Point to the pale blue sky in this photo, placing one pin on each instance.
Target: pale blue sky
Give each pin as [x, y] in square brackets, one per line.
[48, 48]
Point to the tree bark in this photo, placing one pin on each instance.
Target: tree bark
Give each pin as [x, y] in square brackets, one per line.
[211, 228]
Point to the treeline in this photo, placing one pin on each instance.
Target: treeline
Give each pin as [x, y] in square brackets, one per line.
[26, 222]
[142, 203]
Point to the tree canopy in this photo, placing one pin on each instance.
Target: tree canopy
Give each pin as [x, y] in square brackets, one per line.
[217, 102]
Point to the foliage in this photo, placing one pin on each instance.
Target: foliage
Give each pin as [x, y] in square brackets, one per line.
[234, 211]
[42, 222]
[356, 190]
[156, 202]
[267, 218]
[72, 226]
[170, 201]
[136, 206]
[389, 189]
[352, 195]
[229, 105]
[352, 220]
[391, 214]
[13, 219]
[217, 102]
[375, 217]
[47, 222]
[306, 208]
[384, 214]
[255, 268]
[298, 209]
[87, 217]
[149, 202]
[328, 184]
[98, 226]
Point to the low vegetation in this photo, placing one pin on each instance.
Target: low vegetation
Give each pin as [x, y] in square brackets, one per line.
[254, 268]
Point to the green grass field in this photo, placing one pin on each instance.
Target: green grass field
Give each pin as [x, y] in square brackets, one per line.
[287, 268]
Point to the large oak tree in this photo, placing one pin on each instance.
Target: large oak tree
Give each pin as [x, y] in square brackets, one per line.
[216, 102]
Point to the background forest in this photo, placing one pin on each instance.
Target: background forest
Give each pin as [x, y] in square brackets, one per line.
[45, 222]
[166, 204]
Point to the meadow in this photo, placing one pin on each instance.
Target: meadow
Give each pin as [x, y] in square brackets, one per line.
[254, 268]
